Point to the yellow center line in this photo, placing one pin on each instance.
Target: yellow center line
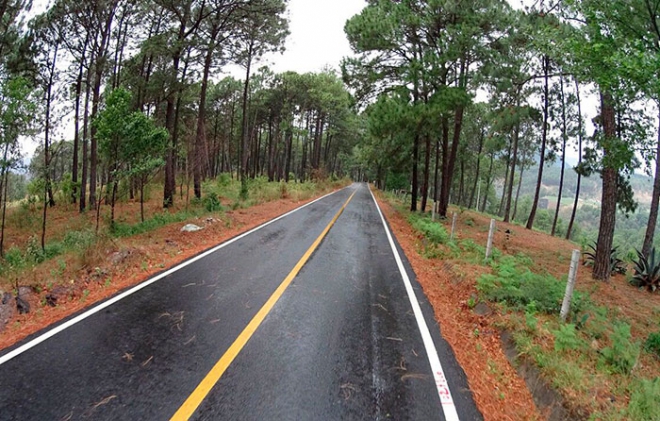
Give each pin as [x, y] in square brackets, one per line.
[202, 390]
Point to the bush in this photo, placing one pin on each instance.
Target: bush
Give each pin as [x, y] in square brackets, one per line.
[616, 264]
[433, 231]
[644, 400]
[622, 355]
[79, 240]
[519, 287]
[566, 338]
[224, 180]
[647, 272]
[212, 203]
[652, 344]
[14, 258]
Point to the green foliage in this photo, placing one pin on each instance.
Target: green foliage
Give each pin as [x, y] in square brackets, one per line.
[432, 231]
[224, 180]
[161, 219]
[566, 338]
[519, 287]
[644, 400]
[14, 258]
[652, 344]
[647, 271]
[617, 265]
[212, 203]
[622, 355]
[79, 240]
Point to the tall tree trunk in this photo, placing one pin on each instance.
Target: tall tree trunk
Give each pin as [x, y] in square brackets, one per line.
[544, 138]
[489, 180]
[85, 143]
[476, 176]
[4, 187]
[579, 176]
[427, 171]
[244, 124]
[564, 136]
[507, 171]
[436, 175]
[48, 190]
[520, 179]
[76, 123]
[99, 68]
[514, 160]
[609, 175]
[655, 198]
[415, 175]
[200, 139]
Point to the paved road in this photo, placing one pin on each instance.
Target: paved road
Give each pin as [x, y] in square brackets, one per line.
[342, 342]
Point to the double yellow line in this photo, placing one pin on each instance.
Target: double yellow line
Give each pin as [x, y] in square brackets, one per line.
[202, 390]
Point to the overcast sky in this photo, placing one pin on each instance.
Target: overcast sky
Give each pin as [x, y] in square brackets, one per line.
[317, 34]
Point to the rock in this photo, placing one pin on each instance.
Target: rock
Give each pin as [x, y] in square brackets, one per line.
[7, 310]
[191, 228]
[482, 309]
[22, 305]
[118, 257]
[25, 292]
[6, 297]
[58, 295]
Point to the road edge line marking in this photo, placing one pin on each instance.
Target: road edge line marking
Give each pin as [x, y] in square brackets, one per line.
[54, 331]
[448, 406]
[190, 405]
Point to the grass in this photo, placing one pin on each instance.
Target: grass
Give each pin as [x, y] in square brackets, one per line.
[605, 360]
[72, 234]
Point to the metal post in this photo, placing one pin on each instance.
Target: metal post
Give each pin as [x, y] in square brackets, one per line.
[491, 234]
[453, 227]
[570, 285]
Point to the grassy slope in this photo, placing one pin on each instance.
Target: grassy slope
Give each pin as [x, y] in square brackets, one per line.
[597, 361]
[83, 268]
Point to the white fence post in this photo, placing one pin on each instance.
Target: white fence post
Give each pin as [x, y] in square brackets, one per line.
[491, 234]
[570, 285]
[453, 227]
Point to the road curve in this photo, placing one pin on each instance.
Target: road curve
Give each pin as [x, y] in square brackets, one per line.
[341, 342]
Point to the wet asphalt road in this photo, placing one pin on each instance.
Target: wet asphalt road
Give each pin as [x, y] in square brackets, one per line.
[342, 343]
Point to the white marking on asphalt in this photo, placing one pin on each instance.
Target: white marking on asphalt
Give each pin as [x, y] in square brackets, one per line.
[36, 341]
[446, 400]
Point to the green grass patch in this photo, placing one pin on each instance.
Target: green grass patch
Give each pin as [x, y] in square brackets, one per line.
[120, 230]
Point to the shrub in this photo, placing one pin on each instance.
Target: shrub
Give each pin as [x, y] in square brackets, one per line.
[647, 272]
[224, 180]
[212, 203]
[519, 288]
[566, 338]
[644, 400]
[622, 355]
[652, 344]
[433, 231]
[79, 240]
[616, 264]
[14, 258]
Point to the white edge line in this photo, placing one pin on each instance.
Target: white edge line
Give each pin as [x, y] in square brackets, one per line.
[446, 399]
[36, 341]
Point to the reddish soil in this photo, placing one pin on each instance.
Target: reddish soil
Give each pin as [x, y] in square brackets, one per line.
[115, 265]
[499, 392]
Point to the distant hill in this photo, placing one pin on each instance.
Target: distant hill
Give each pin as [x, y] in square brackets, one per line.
[590, 190]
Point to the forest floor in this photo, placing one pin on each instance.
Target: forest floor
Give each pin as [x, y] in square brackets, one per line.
[599, 371]
[502, 315]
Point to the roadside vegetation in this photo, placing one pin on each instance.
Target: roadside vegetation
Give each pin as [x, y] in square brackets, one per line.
[80, 259]
[604, 360]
